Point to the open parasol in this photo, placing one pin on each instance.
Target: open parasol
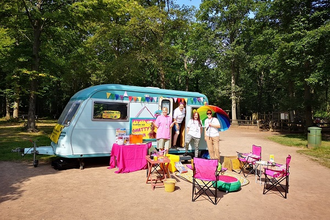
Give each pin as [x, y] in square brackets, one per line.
[218, 112]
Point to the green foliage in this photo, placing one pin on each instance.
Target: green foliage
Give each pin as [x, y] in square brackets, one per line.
[6, 42]
[295, 140]
[319, 154]
[322, 114]
[263, 55]
[227, 21]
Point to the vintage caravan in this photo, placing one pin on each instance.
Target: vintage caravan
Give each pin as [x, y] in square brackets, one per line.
[88, 125]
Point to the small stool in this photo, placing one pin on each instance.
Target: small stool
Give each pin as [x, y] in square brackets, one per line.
[228, 183]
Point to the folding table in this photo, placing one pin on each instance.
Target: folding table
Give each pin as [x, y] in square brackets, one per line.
[158, 167]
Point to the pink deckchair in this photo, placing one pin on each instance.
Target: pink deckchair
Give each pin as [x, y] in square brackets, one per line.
[205, 179]
[275, 175]
[248, 160]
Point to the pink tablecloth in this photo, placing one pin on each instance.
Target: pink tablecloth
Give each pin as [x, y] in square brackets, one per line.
[129, 158]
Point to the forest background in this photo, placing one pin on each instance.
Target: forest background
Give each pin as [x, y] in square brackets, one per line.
[246, 56]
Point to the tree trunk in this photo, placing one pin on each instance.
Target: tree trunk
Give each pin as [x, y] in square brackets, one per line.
[308, 106]
[7, 108]
[326, 96]
[238, 109]
[233, 97]
[15, 109]
[188, 72]
[31, 124]
[37, 29]
[308, 98]
[162, 78]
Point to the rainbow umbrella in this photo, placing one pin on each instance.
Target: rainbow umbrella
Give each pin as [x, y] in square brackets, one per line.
[221, 115]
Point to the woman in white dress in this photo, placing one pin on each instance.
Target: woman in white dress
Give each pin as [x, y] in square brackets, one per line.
[194, 131]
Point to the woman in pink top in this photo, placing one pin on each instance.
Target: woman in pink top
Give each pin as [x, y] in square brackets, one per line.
[163, 124]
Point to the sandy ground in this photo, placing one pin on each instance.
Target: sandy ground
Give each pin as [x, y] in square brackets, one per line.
[99, 193]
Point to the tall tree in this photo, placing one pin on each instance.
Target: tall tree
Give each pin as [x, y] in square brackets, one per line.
[6, 43]
[302, 29]
[226, 19]
[29, 22]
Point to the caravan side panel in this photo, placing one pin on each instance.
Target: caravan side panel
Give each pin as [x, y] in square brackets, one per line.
[92, 137]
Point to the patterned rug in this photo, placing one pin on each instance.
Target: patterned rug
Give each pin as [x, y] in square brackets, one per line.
[188, 176]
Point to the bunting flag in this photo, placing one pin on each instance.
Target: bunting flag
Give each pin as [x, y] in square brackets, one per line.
[154, 99]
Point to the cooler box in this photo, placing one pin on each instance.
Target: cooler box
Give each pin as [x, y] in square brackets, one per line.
[173, 158]
[135, 138]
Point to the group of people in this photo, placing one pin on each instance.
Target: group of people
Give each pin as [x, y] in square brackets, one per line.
[164, 123]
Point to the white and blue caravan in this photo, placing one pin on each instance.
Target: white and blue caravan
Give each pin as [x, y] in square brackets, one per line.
[88, 124]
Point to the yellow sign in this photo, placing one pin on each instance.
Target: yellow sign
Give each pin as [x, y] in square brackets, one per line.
[111, 114]
[144, 127]
[56, 133]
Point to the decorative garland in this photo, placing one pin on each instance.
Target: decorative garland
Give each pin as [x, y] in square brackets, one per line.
[148, 99]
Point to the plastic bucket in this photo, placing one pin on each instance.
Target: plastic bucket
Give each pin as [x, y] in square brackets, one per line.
[169, 185]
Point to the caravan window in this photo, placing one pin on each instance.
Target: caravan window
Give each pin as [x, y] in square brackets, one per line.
[110, 111]
[167, 104]
[68, 113]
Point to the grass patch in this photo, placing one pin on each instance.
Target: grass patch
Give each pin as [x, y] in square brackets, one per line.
[320, 154]
[13, 135]
[294, 140]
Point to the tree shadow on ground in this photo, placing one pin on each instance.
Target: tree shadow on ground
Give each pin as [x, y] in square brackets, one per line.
[13, 175]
